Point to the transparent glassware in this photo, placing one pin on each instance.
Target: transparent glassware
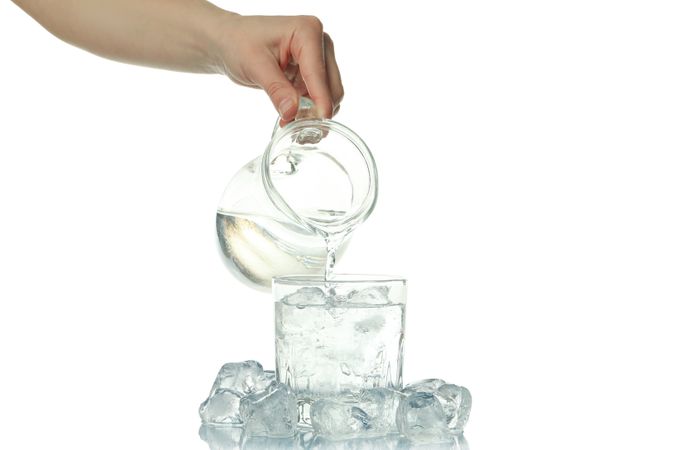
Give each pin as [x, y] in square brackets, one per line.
[316, 181]
[338, 336]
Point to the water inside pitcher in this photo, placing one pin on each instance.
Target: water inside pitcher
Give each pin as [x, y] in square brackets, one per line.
[291, 210]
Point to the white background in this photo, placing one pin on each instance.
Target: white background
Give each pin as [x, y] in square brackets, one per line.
[526, 153]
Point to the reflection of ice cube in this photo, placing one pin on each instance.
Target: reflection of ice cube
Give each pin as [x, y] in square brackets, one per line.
[269, 443]
[453, 443]
[220, 437]
[375, 295]
[230, 438]
[270, 413]
[306, 296]
[221, 408]
[391, 442]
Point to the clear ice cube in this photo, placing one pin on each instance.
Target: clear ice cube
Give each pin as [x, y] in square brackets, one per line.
[244, 377]
[428, 385]
[420, 418]
[270, 413]
[381, 405]
[455, 401]
[334, 418]
[372, 412]
[376, 295]
[306, 296]
[222, 407]
[270, 375]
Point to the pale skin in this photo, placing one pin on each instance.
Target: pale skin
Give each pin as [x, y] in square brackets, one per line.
[286, 56]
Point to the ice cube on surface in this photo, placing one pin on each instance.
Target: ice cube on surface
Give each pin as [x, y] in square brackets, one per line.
[222, 407]
[270, 413]
[221, 437]
[306, 296]
[244, 377]
[428, 385]
[372, 412]
[270, 376]
[334, 418]
[421, 418]
[455, 401]
[381, 405]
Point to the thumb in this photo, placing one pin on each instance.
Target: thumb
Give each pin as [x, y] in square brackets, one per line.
[269, 76]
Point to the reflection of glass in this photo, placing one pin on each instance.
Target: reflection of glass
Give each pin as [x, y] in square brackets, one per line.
[232, 438]
[316, 179]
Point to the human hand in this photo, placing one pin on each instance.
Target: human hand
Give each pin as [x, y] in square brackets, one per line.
[286, 56]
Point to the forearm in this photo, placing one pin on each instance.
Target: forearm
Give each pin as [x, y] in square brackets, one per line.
[287, 56]
[172, 34]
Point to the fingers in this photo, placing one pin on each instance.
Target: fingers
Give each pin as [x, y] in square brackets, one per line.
[292, 72]
[307, 49]
[310, 69]
[268, 75]
[333, 73]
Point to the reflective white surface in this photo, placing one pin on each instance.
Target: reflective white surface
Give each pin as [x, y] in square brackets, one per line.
[230, 438]
[525, 154]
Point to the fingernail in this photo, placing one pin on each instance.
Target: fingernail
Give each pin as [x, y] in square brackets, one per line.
[285, 107]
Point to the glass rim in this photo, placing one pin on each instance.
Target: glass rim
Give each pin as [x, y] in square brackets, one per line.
[340, 278]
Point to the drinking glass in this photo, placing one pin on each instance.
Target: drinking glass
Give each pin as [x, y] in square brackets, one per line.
[338, 336]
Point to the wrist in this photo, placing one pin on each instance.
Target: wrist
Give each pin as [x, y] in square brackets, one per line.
[220, 35]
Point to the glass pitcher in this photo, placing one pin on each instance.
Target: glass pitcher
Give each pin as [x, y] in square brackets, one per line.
[315, 182]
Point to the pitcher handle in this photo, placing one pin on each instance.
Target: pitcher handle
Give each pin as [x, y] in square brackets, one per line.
[306, 110]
